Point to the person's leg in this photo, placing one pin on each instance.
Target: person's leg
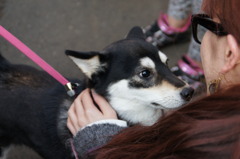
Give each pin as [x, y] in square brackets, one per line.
[178, 12]
[176, 23]
[172, 27]
[194, 48]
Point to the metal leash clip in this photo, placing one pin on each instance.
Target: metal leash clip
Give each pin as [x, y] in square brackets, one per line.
[70, 88]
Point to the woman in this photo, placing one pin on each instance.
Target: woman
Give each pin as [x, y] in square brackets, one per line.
[208, 128]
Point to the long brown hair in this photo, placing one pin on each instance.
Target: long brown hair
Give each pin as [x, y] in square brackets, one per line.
[205, 129]
[227, 11]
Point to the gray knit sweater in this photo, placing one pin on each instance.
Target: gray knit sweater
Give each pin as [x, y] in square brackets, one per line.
[96, 135]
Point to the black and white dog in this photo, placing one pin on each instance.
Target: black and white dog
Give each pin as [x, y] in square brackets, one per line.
[131, 74]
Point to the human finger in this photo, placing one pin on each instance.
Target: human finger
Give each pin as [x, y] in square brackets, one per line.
[89, 106]
[71, 127]
[78, 104]
[104, 106]
[73, 114]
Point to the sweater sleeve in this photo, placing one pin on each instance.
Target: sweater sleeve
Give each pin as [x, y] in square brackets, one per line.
[96, 135]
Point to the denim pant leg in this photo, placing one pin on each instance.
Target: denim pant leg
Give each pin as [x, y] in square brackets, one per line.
[194, 48]
[180, 9]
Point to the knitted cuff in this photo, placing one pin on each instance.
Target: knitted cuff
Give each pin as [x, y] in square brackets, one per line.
[92, 137]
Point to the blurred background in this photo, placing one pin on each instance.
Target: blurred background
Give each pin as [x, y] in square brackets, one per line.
[49, 27]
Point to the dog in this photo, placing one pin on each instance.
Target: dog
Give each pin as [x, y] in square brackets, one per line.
[131, 74]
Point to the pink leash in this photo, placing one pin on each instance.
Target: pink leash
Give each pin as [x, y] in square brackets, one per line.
[43, 64]
[38, 60]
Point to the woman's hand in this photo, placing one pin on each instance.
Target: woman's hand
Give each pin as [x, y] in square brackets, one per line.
[83, 111]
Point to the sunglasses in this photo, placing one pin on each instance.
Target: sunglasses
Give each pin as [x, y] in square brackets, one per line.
[203, 20]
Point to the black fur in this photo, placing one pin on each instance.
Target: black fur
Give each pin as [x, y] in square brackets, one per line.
[31, 100]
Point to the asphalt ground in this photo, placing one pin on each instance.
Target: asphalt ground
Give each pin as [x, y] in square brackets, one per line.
[49, 27]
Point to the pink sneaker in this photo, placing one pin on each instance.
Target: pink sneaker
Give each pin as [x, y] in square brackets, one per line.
[160, 34]
[191, 73]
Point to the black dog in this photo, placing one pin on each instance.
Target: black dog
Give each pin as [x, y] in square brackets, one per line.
[131, 74]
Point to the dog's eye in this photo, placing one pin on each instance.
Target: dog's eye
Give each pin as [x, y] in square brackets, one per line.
[145, 73]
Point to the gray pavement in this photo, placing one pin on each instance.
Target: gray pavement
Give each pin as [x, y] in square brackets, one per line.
[50, 26]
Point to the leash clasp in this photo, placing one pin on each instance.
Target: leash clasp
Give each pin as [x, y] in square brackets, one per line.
[70, 88]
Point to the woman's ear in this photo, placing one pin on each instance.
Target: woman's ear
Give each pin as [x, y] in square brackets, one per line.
[232, 54]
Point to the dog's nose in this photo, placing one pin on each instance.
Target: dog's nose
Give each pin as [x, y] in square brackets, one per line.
[187, 93]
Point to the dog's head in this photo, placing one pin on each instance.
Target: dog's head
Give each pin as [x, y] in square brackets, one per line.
[133, 75]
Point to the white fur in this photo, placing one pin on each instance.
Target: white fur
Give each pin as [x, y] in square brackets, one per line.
[163, 57]
[134, 104]
[147, 62]
[88, 66]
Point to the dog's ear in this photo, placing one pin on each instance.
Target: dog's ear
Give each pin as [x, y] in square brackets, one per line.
[136, 32]
[88, 62]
